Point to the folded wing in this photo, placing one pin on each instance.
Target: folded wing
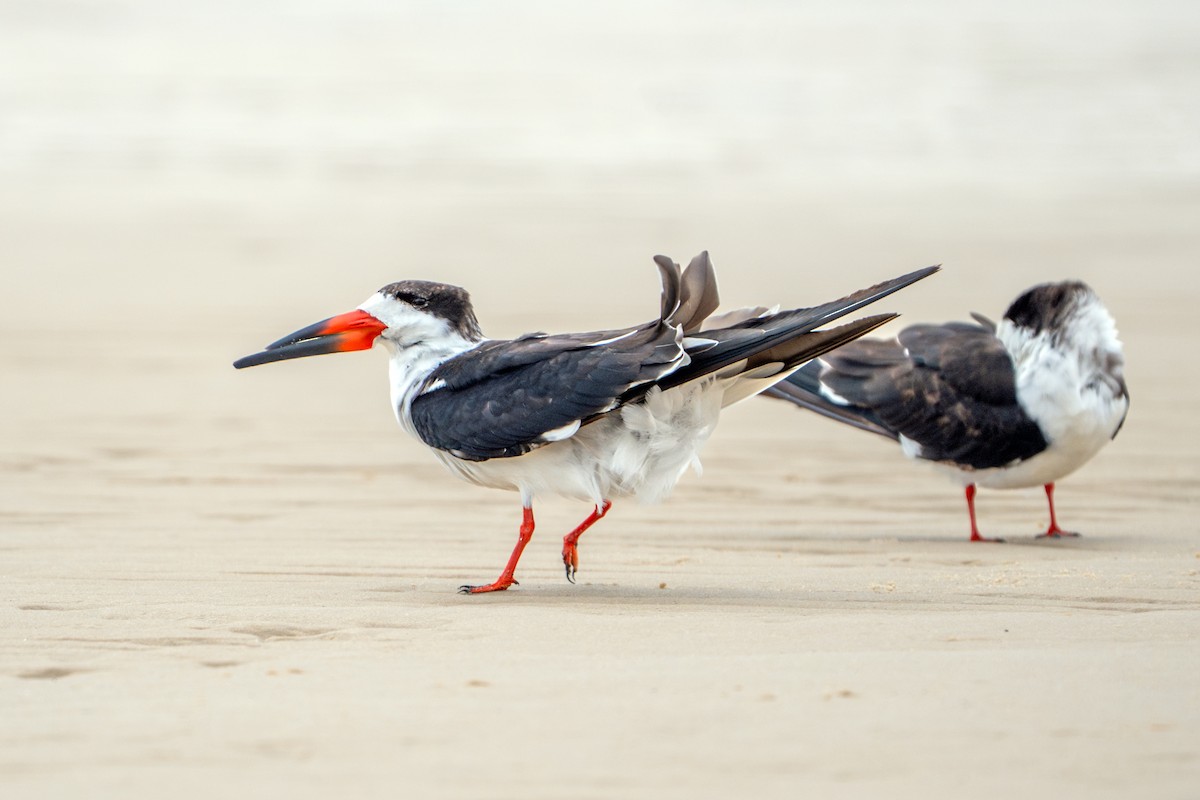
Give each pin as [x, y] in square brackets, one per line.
[949, 388]
[505, 398]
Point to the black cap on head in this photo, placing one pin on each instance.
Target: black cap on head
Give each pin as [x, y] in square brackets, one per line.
[1048, 306]
[451, 303]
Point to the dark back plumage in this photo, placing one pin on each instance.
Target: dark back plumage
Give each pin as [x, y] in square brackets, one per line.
[505, 398]
[950, 388]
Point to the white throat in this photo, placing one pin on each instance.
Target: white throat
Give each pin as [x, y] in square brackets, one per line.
[417, 343]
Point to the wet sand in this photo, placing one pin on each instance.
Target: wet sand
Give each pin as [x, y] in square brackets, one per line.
[213, 579]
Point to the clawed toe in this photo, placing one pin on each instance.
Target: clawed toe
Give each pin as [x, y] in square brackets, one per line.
[571, 561]
[1057, 535]
[498, 586]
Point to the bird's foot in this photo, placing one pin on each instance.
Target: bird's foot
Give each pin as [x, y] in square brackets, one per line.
[975, 537]
[571, 540]
[1056, 533]
[500, 584]
[570, 559]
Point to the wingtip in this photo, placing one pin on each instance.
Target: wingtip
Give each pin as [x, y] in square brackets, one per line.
[882, 290]
[925, 272]
[877, 320]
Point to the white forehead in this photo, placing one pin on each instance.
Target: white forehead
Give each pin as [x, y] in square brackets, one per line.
[402, 319]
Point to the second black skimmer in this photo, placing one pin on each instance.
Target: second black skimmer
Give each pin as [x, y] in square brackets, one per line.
[591, 416]
[1019, 404]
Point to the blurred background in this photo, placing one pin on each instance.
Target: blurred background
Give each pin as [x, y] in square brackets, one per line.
[225, 159]
[254, 570]
[181, 183]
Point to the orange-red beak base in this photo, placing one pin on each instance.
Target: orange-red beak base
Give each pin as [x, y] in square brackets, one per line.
[356, 330]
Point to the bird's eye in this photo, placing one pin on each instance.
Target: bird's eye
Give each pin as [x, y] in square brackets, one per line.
[414, 300]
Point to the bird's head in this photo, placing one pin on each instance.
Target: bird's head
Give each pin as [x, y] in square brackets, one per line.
[402, 314]
[1069, 317]
[1049, 306]
[1068, 311]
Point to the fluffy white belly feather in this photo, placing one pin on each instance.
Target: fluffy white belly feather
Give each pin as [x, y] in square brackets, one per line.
[1061, 458]
[641, 451]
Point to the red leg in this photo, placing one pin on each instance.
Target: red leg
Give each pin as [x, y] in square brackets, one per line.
[506, 577]
[975, 536]
[570, 551]
[1053, 532]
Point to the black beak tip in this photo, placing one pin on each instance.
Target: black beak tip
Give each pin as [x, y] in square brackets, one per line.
[250, 361]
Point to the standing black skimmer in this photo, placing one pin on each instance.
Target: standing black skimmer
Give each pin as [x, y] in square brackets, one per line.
[1023, 403]
[590, 416]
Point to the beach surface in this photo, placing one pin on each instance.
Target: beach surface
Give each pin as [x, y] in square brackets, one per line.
[216, 582]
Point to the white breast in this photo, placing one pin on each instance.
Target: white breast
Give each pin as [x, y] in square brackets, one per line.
[640, 451]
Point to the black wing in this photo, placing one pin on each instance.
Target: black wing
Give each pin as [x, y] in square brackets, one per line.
[780, 341]
[505, 398]
[950, 388]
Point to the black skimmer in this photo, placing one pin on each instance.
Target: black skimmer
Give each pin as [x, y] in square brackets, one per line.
[591, 416]
[1019, 404]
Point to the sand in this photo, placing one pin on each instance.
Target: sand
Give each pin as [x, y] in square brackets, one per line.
[219, 583]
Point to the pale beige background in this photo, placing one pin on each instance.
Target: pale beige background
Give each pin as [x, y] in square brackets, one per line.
[216, 583]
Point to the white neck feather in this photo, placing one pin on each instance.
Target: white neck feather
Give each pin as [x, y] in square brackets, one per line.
[1071, 375]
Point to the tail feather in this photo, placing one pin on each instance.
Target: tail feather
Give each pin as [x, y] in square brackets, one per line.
[690, 295]
[671, 279]
[757, 348]
[803, 388]
[816, 344]
[698, 296]
[768, 367]
[763, 334]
